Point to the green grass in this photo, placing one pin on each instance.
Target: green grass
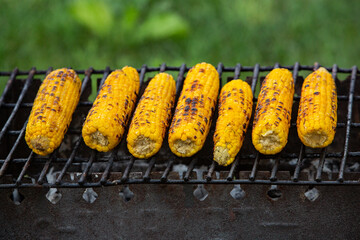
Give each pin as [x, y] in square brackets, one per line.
[93, 33]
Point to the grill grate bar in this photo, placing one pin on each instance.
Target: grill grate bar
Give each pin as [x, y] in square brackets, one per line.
[172, 181]
[167, 170]
[46, 166]
[253, 88]
[237, 71]
[302, 148]
[255, 78]
[69, 161]
[23, 170]
[87, 167]
[348, 123]
[162, 67]
[125, 176]
[17, 106]
[285, 156]
[274, 170]
[180, 82]
[8, 85]
[190, 169]
[254, 168]
[321, 165]
[105, 174]
[232, 169]
[299, 163]
[9, 156]
[210, 172]
[148, 170]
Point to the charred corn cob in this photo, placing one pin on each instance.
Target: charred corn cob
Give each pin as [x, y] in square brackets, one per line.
[273, 112]
[192, 119]
[151, 117]
[235, 107]
[317, 116]
[52, 111]
[106, 121]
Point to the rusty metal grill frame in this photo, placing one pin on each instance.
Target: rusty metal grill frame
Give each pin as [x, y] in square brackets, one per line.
[232, 172]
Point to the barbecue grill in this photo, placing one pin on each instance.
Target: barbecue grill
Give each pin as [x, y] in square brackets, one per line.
[73, 165]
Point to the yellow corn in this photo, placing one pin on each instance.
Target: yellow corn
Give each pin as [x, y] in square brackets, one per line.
[151, 117]
[273, 112]
[105, 124]
[235, 107]
[52, 111]
[192, 119]
[317, 116]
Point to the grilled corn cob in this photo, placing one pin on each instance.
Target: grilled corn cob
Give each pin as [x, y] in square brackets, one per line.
[106, 121]
[273, 112]
[151, 117]
[235, 107]
[52, 111]
[192, 119]
[317, 116]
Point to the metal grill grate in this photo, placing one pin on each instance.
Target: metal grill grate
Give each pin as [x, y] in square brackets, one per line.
[75, 165]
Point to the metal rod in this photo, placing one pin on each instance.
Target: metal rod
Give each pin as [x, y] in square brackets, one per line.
[69, 161]
[105, 174]
[232, 169]
[296, 72]
[285, 156]
[348, 123]
[299, 163]
[316, 66]
[46, 166]
[105, 75]
[163, 67]
[254, 168]
[17, 106]
[167, 170]
[180, 82]
[9, 156]
[274, 170]
[23, 170]
[254, 78]
[190, 168]
[148, 170]
[237, 71]
[87, 167]
[350, 183]
[210, 172]
[8, 85]
[86, 80]
[321, 165]
[125, 176]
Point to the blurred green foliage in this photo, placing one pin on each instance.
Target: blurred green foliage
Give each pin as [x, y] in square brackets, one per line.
[98, 33]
